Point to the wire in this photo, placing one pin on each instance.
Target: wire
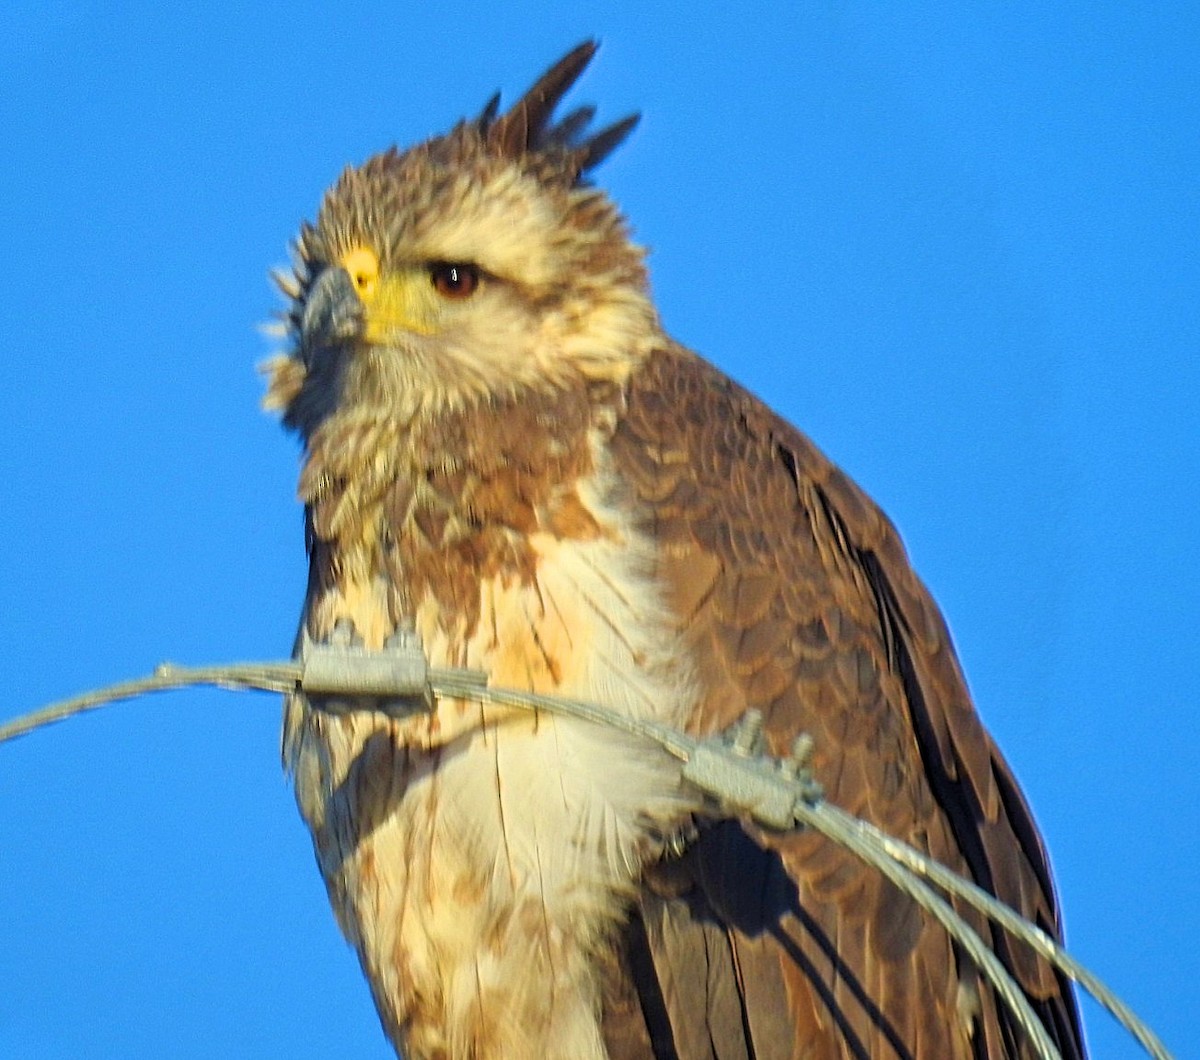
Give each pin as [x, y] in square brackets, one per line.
[730, 768]
[266, 677]
[816, 817]
[1012, 921]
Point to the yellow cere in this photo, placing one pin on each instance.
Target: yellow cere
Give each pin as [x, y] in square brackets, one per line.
[399, 301]
[363, 267]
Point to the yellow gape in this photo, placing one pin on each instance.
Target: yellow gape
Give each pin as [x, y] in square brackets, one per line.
[399, 301]
[363, 267]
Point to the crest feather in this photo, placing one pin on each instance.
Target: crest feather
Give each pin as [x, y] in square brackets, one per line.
[527, 127]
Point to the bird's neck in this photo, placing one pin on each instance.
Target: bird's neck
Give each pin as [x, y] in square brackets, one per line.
[427, 507]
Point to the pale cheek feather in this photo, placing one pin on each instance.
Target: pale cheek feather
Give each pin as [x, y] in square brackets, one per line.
[496, 346]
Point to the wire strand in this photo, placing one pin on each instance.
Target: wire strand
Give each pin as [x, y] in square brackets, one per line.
[900, 863]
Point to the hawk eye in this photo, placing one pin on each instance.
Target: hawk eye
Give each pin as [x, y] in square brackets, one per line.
[453, 280]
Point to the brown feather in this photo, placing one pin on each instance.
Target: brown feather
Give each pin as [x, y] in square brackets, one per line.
[526, 128]
[547, 488]
[812, 611]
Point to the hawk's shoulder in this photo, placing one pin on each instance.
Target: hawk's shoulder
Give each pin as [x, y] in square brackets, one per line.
[796, 597]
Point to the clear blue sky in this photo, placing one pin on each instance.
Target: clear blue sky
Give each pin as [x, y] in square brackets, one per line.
[957, 244]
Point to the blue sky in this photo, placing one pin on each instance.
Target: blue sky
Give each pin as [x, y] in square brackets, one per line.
[956, 244]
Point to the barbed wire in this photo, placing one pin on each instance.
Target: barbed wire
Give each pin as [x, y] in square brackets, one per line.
[732, 768]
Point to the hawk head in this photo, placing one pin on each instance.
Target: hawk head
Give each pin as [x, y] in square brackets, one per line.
[465, 269]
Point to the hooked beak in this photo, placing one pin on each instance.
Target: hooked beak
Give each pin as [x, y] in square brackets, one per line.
[333, 313]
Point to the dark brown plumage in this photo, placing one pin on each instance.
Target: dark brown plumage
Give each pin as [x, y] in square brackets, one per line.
[799, 599]
[505, 452]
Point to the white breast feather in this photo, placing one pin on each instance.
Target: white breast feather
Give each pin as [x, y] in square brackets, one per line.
[489, 888]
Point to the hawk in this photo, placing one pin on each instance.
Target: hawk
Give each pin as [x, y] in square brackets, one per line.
[506, 454]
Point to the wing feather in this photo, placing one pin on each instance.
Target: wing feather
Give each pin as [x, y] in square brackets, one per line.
[795, 596]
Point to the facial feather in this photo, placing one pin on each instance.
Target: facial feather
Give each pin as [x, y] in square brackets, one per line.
[561, 299]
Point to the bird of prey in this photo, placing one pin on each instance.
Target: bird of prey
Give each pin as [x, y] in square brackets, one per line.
[505, 453]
